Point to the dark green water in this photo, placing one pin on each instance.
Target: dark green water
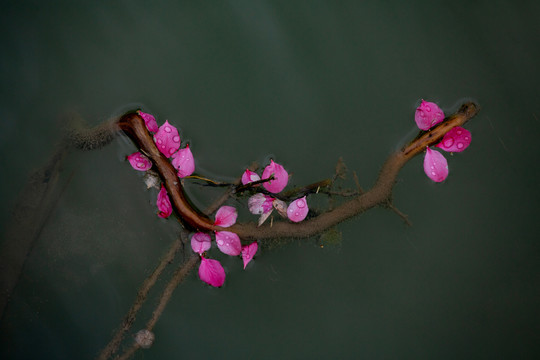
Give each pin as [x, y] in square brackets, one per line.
[306, 83]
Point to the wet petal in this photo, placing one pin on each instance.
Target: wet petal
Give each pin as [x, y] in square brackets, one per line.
[248, 252]
[427, 115]
[183, 162]
[167, 139]
[163, 203]
[226, 216]
[200, 242]
[281, 177]
[298, 210]
[249, 176]
[149, 121]
[228, 242]
[139, 162]
[456, 140]
[435, 165]
[260, 204]
[211, 272]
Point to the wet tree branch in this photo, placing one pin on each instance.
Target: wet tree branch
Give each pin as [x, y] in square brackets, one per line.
[133, 125]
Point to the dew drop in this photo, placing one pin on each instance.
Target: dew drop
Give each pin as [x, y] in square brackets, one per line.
[220, 242]
[141, 165]
[301, 204]
[459, 132]
[176, 138]
[466, 138]
[171, 150]
[167, 129]
[433, 173]
[460, 145]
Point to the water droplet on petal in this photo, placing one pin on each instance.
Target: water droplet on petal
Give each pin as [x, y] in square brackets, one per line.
[167, 129]
[458, 132]
[460, 145]
[176, 138]
[140, 165]
[448, 142]
[159, 141]
[220, 242]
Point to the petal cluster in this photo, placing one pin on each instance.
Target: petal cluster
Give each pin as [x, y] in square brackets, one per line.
[427, 115]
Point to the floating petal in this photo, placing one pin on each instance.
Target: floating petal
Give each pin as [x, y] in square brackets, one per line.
[427, 115]
[163, 203]
[281, 177]
[260, 204]
[249, 176]
[200, 242]
[139, 162]
[248, 252]
[456, 140]
[298, 210]
[167, 139]
[211, 272]
[228, 242]
[435, 165]
[149, 121]
[280, 206]
[183, 162]
[226, 216]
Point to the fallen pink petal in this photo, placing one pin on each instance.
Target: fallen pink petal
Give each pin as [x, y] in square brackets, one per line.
[167, 139]
[456, 140]
[427, 115]
[163, 203]
[281, 177]
[248, 252]
[260, 204]
[228, 242]
[211, 272]
[226, 216]
[184, 162]
[149, 121]
[139, 162]
[298, 210]
[435, 165]
[200, 242]
[249, 176]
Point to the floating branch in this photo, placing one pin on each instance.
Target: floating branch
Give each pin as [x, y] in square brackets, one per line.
[134, 126]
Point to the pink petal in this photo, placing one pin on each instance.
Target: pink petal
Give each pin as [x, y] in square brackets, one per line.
[228, 242]
[456, 140]
[183, 162]
[149, 121]
[298, 210]
[200, 242]
[226, 216]
[260, 204]
[435, 165]
[167, 139]
[281, 177]
[163, 203]
[427, 115]
[211, 272]
[249, 176]
[248, 252]
[139, 162]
